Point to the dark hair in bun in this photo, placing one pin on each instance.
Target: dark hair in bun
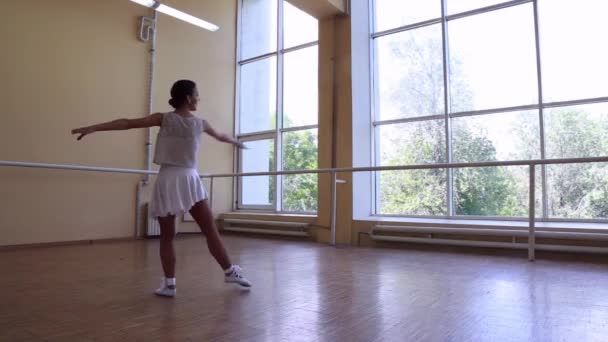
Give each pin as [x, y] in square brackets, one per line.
[180, 92]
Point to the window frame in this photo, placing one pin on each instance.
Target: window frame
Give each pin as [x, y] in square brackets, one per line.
[277, 132]
[239, 180]
[539, 106]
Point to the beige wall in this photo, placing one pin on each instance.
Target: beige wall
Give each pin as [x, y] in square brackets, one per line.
[83, 71]
[66, 63]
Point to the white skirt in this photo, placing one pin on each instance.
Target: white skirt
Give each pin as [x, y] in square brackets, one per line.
[176, 191]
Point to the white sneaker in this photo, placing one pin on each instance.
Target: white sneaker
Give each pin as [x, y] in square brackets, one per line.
[235, 275]
[166, 290]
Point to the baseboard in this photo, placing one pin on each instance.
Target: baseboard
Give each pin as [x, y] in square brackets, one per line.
[64, 243]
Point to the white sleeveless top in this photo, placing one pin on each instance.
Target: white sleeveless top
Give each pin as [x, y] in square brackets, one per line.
[178, 140]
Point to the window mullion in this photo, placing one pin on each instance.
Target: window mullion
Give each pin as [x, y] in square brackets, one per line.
[236, 155]
[278, 205]
[541, 116]
[446, 105]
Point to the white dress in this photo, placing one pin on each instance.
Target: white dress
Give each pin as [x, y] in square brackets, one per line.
[178, 186]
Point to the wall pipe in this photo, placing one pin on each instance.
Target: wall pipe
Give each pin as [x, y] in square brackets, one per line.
[150, 35]
[151, 94]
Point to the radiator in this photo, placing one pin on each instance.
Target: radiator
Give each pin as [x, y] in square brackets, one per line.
[152, 226]
[255, 227]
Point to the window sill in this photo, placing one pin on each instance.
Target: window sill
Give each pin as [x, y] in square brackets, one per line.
[582, 227]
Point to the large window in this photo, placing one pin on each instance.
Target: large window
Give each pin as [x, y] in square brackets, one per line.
[490, 80]
[277, 107]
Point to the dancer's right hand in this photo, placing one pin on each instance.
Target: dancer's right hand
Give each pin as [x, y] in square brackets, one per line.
[83, 131]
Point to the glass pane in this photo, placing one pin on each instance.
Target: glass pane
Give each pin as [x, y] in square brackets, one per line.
[395, 13]
[409, 74]
[258, 96]
[412, 192]
[578, 191]
[300, 152]
[501, 136]
[577, 132]
[412, 143]
[301, 87]
[573, 49]
[459, 6]
[493, 60]
[298, 26]
[495, 191]
[258, 157]
[258, 27]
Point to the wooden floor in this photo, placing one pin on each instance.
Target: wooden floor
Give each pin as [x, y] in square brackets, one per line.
[302, 292]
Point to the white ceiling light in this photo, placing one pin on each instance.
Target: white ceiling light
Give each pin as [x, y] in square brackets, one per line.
[147, 3]
[156, 5]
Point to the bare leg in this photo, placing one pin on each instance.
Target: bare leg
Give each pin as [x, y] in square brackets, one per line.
[167, 253]
[204, 218]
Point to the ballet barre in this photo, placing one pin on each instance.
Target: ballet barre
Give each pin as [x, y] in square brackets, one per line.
[531, 164]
